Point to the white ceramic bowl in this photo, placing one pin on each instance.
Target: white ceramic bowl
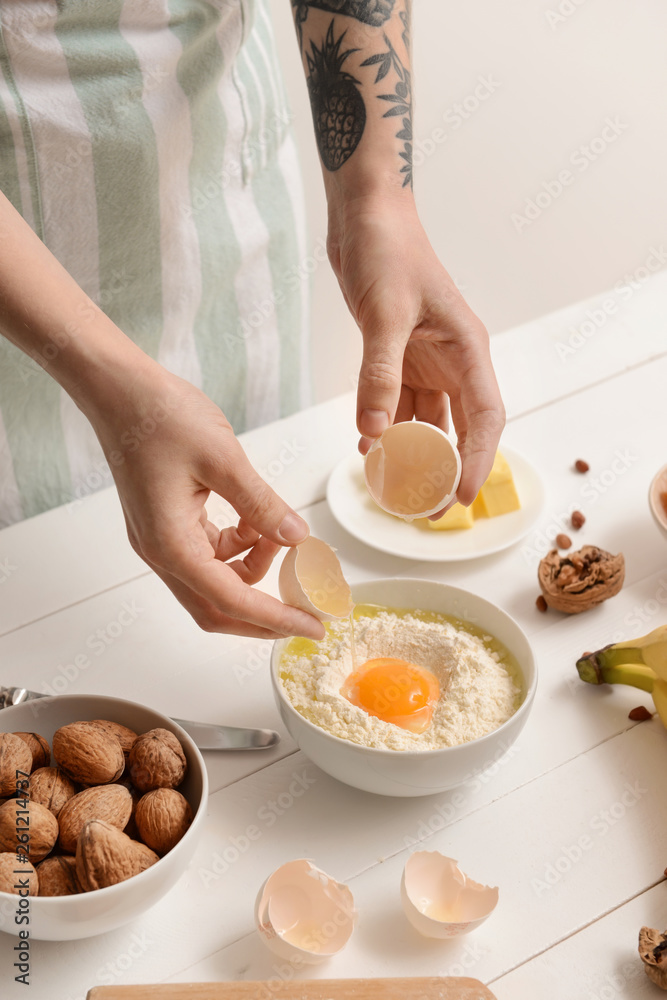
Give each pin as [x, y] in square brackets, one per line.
[66, 918]
[409, 772]
[658, 486]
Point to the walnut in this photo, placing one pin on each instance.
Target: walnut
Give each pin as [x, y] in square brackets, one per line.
[21, 818]
[13, 874]
[157, 761]
[162, 818]
[15, 756]
[39, 747]
[51, 788]
[88, 754]
[130, 827]
[653, 953]
[579, 580]
[125, 735]
[57, 876]
[112, 803]
[106, 856]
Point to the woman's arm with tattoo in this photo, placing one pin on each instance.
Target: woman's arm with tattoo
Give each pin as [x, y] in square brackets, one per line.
[424, 349]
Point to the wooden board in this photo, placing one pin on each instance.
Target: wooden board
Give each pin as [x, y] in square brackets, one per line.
[428, 988]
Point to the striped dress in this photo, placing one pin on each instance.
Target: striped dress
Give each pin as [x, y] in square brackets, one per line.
[148, 144]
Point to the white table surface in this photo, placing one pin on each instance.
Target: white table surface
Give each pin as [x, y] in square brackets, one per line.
[563, 928]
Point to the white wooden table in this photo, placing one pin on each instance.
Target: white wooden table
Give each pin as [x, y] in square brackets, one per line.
[571, 826]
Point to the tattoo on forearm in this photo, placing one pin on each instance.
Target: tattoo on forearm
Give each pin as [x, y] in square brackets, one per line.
[406, 16]
[339, 112]
[400, 98]
[373, 12]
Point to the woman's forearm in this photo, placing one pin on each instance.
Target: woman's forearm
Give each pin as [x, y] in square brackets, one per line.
[45, 313]
[356, 56]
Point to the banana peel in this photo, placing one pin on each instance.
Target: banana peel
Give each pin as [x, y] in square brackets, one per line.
[641, 663]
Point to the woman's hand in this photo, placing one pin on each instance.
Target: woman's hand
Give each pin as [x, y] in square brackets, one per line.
[169, 447]
[425, 351]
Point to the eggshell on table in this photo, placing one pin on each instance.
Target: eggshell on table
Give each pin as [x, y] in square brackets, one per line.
[303, 915]
[439, 900]
[311, 578]
[412, 470]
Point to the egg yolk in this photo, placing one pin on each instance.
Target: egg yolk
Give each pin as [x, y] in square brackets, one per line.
[394, 691]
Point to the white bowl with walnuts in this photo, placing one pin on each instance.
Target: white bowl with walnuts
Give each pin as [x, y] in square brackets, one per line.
[102, 802]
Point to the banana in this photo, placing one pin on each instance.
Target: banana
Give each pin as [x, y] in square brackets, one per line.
[641, 663]
[633, 674]
[649, 649]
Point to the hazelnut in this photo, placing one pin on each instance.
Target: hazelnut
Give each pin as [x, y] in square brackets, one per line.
[162, 818]
[23, 818]
[563, 541]
[112, 803]
[57, 876]
[157, 761]
[106, 856]
[541, 604]
[15, 756]
[39, 747]
[51, 788]
[581, 466]
[12, 870]
[88, 754]
[578, 520]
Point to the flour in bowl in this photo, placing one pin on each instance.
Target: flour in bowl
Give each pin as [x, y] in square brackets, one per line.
[478, 684]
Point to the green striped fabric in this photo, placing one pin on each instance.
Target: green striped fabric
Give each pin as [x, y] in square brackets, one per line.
[148, 144]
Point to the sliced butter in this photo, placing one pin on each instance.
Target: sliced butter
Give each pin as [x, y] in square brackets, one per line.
[454, 519]
[498, 494]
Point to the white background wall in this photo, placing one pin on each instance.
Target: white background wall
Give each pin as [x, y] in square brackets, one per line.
[560, 69]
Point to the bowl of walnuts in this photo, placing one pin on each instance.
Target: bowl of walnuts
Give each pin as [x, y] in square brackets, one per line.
[102, 802]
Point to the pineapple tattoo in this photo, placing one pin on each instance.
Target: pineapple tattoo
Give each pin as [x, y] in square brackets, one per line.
[339, 112]
[373, 12]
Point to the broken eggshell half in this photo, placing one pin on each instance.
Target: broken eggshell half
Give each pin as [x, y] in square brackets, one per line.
[311, 578]
[439, 900]
[412, 470]
[303, 915]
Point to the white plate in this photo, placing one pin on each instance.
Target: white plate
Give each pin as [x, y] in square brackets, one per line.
[353, 508]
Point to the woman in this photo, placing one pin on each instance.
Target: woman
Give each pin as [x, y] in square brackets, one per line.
[148, 226]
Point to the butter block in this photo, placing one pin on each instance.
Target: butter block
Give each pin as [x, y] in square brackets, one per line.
[498, 495]
[456, 518]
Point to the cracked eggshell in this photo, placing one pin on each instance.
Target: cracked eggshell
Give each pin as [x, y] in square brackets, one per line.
[304, 915]
[439, 900]
[412, 470]
[311, 578]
